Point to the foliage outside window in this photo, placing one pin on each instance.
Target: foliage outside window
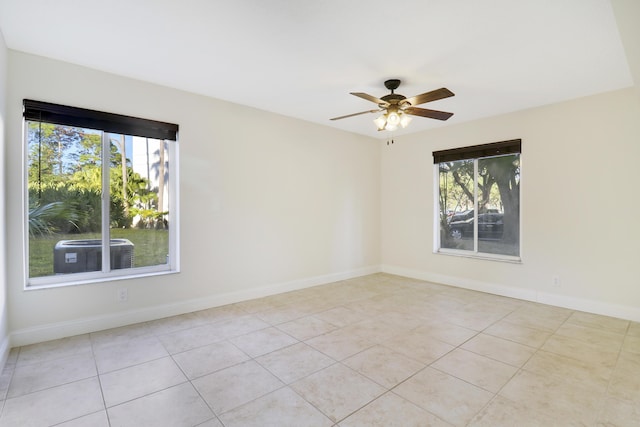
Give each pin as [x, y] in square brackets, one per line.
[91, 187]
[478, 199]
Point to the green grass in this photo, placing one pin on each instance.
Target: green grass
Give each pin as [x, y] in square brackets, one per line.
[150, 248]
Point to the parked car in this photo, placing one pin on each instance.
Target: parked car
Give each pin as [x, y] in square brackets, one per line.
[460, 216]
[490, 226]
[465, 215]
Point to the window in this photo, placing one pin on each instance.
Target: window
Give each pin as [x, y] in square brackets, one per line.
[101, 195]
[478, 200]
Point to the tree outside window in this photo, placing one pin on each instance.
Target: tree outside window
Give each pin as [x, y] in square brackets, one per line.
[479, 199]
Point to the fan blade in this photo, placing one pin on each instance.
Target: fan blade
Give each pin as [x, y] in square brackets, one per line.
[431, 114]
[355, 114]
[370, 98]
[434, 95]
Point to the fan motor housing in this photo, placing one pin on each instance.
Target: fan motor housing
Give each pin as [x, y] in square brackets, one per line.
[393, 98]
[392, 84]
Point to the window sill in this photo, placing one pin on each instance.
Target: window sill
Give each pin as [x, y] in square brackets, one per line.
[78, 279]
[480, 255]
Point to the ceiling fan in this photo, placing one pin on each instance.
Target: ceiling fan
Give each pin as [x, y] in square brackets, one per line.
[398, 108]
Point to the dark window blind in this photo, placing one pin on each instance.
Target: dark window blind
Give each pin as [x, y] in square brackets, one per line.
[91, 119]
[512, 146]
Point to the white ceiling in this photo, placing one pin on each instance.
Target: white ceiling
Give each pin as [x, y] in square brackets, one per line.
[302, 58]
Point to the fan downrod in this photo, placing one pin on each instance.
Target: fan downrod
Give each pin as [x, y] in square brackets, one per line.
[392, 84]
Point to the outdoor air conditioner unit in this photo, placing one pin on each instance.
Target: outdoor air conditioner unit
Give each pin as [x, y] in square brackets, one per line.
[79, 256]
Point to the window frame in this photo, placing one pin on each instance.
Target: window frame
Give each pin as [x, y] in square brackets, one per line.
[475, 153]
[114, 124]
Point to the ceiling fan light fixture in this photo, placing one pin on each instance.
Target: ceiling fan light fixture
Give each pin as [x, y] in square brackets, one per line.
[380, 122]
[393, 119]
[391, 127]
[405, 119]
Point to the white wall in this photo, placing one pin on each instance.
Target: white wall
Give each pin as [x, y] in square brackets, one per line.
[268, 203]
[4, 328]
[627, 13]
[579, 196]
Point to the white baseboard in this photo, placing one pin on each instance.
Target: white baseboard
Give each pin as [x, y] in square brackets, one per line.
[574, 303]
[97, 323]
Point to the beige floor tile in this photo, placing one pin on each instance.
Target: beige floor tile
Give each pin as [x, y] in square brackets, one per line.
[603, 337]
[240, 326]
[128, 353]
[628, 363]
[177, 406]
[39, 376]
[390, 410]
[316, 305]
[119, 335]
[384, 366]
[214, 422]
[188, 339]
[173, 324]
[295, 362]
[632, 344]
[56, 349]
[5, 381]
[337, 391]
[618, 413]
[219, 314]
[465, 296]
[307, 327]
[136, 381]
[257, 305]
[545, 363]
[374, 330]
[12, 358]
[367, 307]
[263, 341]
[282, 408]
[591, 353]
[500, 349]
[280, 315]
[555, 396]
[502, 412]
[625, 379]
[475, 320]
[419, 346]
[634, 329]
[450, 398]
[97, 419]
[341, 316]
[205, 360]
[404, 321]
[539, 317]
[447, 332]
[504, 305]
[601, 322]
[526, 335]
[231, 387]
[443, 303]
[54, 405]
[478, 370]
[340, 344]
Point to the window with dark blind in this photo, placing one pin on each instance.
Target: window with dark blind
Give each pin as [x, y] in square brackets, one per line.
[101, 195]
[478, 199]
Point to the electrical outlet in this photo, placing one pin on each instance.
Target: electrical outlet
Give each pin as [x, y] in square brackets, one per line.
[555, 281]
[123, 295]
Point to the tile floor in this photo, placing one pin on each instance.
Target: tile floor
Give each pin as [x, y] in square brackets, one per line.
[379, 350]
